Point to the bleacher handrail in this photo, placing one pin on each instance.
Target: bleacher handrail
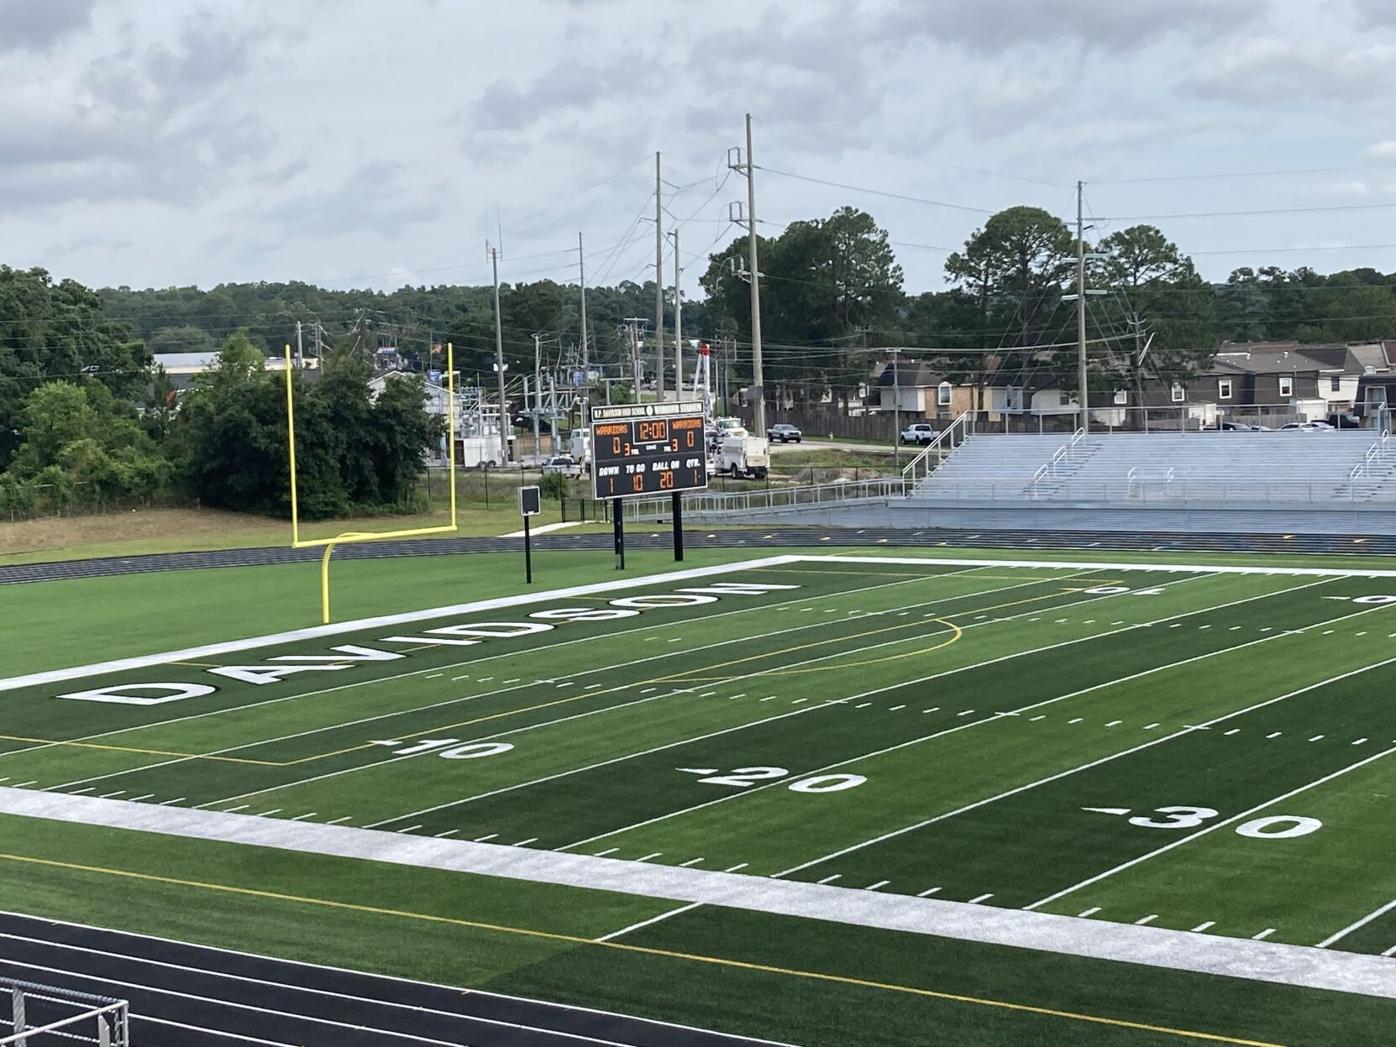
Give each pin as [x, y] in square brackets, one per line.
[939, 449]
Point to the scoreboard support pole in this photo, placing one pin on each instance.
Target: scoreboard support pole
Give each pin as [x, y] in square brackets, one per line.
[618, 528]
[677, 515]
[528, 555]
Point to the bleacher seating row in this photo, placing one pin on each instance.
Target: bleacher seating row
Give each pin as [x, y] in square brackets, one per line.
[1318, 468]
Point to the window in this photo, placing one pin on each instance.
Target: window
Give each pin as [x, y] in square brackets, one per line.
[1179, 393]
[943, 392]
[1224, 389]
[1336, 383]
[1286, 386]
[1121, 397]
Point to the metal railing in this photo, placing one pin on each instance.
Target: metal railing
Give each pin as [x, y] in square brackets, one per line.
[772, 499]
[939, 449]
[1238, 493]
[42, 1013]
[1375, 453]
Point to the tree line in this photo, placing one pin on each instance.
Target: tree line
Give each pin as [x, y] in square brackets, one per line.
[84, 419]
[86, 422]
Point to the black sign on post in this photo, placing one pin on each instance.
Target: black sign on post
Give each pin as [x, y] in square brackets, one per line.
[648, 449]
[530, 505]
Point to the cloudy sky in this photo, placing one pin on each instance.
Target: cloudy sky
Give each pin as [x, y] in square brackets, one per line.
[376, 143]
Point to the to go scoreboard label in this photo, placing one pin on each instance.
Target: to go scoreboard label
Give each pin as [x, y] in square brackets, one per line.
[650, 449]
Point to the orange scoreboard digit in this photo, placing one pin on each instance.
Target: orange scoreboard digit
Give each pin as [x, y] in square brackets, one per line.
[654, 449]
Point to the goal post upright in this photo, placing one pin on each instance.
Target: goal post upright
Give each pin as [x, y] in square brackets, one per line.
[348, 537]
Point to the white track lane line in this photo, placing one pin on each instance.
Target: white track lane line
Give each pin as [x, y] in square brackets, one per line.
[214, 951]
[1076, 770]
[1214, 827]
[129, 960]
[961, 727]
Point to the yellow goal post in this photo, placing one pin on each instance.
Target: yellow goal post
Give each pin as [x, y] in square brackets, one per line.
[351, 537]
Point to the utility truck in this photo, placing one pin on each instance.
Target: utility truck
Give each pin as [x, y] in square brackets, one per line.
[739, 454]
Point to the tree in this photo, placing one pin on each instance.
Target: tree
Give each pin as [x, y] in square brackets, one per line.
[1020, 262]
[58, 332]
[1168, 307]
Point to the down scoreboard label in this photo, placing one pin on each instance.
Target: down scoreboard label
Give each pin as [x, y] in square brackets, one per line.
[648, 449]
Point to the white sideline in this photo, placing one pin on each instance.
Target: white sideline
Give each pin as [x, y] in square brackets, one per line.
[339, 628]
[1263, 961]
[544, 528]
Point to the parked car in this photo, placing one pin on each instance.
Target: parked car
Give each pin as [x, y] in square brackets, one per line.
[1344, 421]
[1237, 427]
[562, 464]
[784, 432]
[1307, 427]
[918, 433]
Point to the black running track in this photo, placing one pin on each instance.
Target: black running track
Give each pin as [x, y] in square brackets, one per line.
[652, 536]
[190, 996]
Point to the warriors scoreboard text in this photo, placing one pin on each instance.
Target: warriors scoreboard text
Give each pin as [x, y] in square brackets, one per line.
[648, 449]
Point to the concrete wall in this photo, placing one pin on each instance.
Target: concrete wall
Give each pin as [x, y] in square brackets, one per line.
[911, 513]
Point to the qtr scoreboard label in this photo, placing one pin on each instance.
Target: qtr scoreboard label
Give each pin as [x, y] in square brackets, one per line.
[650, 449]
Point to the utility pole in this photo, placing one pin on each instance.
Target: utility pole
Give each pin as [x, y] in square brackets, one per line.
[499, 362]
[1081, 303]
[678, 318]
[537, 396]
[748, 168]
[300, 350]
[897, 409]
[658, 285]
[586, 364]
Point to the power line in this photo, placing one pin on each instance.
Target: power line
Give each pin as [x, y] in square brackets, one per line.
[875, 192]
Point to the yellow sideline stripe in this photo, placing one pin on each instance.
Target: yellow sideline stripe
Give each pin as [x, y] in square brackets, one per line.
[577, 940]
[143, 752]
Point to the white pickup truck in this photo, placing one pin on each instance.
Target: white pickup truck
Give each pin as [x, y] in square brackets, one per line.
[739, 454]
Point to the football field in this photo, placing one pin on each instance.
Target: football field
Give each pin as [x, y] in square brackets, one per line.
[1203, 749]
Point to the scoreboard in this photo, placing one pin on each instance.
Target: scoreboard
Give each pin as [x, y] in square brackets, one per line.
[650, 449]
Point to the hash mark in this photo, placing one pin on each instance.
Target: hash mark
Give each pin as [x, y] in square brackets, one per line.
[981, 898]
[739, 865]
[1088, 912]
[608, 850]
[928, 892]
[830, 879]
[1146, 919]
[1263, 934]
[877, 886]
[1203, 926]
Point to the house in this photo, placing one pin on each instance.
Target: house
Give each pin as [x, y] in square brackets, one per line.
[917, 388]
[182, 368]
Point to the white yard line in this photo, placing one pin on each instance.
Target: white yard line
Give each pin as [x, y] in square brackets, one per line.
[1212, 828]
[540, 650]
[1379, 912]
[660, 748]
[357, 625]
[609, 668]
[1166, 568]
[1260, 961]
[968, 725]
[1076, 770]
[646, 923]
[574, 716]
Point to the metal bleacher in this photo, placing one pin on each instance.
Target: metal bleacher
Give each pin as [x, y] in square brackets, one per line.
[1322, 468]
